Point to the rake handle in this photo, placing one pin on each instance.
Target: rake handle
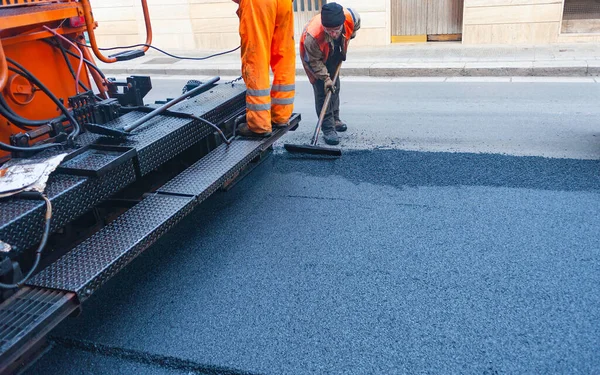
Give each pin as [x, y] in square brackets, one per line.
[315, 137]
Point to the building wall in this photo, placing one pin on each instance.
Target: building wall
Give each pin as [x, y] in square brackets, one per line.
[375, 21]
[177, 24]
[213, 24]
[512, 21]
[208, 24]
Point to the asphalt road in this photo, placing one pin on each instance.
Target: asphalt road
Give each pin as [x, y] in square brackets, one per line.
[446, 241]
[536, 116]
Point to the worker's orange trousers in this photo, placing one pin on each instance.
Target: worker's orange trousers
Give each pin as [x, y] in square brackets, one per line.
[267, 33]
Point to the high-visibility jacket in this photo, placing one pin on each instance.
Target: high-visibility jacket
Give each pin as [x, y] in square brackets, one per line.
[316, 45]
[267, 39]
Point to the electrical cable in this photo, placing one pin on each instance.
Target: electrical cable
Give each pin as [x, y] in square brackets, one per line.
[63, 52]
[86, 61]
[40, 249]
[77, 80]
[225, 139]
[24, 72]
[165, 52]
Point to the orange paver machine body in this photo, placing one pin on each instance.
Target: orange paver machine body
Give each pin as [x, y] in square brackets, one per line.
[46, 39]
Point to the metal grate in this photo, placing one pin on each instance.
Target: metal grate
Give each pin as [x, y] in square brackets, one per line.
[25, 309]
[5, 11]
[308, 5]
[581, 10]
[26, 317]
[208, 174]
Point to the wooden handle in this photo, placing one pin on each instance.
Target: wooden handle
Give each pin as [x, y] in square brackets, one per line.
[315, 138]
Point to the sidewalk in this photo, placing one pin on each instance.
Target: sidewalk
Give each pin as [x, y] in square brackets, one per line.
[398, 60]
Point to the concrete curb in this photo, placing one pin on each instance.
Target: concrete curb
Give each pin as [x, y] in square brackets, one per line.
[521, 69]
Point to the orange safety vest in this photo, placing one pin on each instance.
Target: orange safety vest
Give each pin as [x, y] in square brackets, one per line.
[316, 30]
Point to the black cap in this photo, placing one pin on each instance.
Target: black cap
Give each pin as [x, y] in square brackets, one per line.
[332, 15]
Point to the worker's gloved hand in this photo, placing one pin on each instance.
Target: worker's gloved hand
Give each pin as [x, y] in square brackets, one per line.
[328, 84]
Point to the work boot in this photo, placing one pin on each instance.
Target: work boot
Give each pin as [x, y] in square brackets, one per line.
[340, 126]
[244, 131]
[280, 126]
[331, 137]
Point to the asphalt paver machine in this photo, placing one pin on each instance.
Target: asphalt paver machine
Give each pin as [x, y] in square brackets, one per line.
[90, 175]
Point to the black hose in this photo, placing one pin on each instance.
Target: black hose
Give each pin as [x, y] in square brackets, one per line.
[64, 54]
[52, 97]
[40, 249]
[24, 72]
[11, 148]
[87, 62]
[19, 121]
[12, 117]
[225, 139]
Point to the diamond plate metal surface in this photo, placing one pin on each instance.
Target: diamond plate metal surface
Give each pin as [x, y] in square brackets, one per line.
[157, 141]
[27, 11]
[164, 137]
[85, 268]
[88, 138]
[162, 143]
[209, 173]
[21, 221]
[217, 105]
[92, 160]
[215, 99]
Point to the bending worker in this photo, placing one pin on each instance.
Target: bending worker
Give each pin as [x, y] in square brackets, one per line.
[267, 38]
[323, 47]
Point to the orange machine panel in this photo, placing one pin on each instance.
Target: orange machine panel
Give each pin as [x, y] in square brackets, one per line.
[47, 64]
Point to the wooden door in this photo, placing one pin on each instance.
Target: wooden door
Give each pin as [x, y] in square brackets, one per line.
[409, 19]
[422, 20]
[444, 17]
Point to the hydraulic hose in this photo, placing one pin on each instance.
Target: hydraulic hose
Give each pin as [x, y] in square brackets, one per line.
[11, 148]
[14, 118]
[24, 72]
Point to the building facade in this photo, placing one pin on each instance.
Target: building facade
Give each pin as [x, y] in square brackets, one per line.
[213, 24]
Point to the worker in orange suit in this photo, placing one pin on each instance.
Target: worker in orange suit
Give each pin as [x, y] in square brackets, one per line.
[267, 38]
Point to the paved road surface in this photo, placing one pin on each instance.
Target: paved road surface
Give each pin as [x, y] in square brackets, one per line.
[443, 243]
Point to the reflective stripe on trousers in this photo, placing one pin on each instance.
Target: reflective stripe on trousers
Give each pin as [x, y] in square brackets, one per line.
[267, 34]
